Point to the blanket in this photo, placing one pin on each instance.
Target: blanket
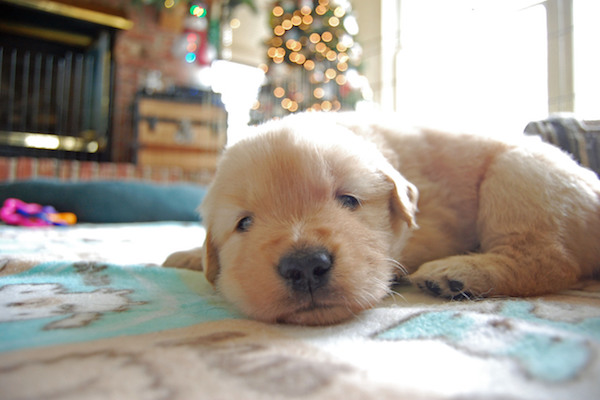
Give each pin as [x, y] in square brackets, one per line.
[86, 312]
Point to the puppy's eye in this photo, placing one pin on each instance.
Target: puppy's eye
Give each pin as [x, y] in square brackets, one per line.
[349, 202]
[244, 224]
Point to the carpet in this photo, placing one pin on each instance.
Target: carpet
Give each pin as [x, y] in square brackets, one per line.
[86, 312]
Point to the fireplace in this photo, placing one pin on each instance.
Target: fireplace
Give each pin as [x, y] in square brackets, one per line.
[56, 79]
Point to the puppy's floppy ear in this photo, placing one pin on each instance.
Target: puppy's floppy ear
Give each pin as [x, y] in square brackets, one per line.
[210, 258]
[403, 199]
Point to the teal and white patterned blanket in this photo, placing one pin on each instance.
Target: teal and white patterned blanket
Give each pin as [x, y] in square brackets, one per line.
[87, 313]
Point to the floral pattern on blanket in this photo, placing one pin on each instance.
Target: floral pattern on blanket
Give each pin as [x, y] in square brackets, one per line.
[545, 349]
[100, 300]
[80, 319]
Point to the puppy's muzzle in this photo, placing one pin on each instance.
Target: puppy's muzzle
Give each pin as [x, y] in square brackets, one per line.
[306, 270]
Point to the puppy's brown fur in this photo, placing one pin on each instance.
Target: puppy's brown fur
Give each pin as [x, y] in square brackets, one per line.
[495, 217]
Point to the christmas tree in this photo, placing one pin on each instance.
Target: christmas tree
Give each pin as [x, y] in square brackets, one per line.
[313, 59]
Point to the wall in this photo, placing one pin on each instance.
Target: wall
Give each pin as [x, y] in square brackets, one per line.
[148, 47]
[368, 15]
[248, 40]
[144, 48]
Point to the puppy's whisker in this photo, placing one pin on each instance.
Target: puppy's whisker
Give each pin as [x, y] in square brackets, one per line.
[354, 314]
[349, 304]
[397, 265]
[395, 294]
[389, 290]
[368, 299]
[466, 296]
[372, 299]
[360, 300]
[386, 286]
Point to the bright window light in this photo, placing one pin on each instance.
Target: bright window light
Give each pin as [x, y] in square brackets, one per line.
[586, 60]
[472, 65]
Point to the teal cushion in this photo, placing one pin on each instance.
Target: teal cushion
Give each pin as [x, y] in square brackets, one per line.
[111, 201]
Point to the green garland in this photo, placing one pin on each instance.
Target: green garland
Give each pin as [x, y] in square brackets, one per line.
[229, 4]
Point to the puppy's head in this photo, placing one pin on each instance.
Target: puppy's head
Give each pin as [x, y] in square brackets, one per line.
[300, 220]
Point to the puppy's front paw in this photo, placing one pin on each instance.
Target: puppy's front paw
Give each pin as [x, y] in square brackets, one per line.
[190, 259]
[455, 278]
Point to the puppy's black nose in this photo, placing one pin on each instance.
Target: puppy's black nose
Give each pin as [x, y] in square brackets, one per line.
[307, 269]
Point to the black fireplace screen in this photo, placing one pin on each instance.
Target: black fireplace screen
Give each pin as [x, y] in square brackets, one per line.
[55, 83]
[54, 101]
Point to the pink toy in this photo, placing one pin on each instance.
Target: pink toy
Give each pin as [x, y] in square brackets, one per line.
[17, 212]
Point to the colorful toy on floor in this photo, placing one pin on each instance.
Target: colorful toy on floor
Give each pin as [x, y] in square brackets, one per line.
[17, 212]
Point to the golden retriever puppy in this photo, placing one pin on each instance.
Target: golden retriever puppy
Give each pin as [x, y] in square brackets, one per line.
[312, 218]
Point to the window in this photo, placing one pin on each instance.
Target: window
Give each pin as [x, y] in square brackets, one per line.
[471, 64]
[492, 65]
[586, 61]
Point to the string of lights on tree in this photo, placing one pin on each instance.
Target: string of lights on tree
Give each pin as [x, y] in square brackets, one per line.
[313, 59]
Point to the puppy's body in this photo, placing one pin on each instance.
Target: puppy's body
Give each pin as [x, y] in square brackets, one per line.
[309, 220]
[530, 213]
